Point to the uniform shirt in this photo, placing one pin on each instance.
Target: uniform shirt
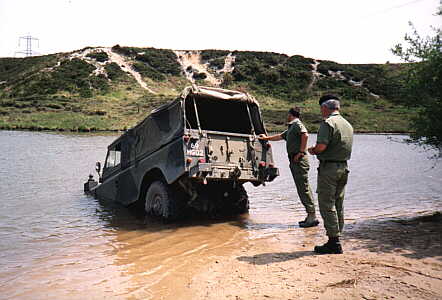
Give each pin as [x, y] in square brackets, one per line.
[293, 136]
[337, 133]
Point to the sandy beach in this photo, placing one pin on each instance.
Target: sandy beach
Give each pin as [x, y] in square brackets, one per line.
[400, 259]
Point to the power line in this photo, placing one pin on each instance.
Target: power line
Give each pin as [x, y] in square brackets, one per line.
[402, 5]
[29, 40]
[393, 7]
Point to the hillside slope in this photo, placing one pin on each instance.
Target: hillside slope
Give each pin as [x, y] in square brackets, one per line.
[113, 88]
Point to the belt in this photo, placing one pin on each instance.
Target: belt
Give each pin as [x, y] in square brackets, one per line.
[334, 161]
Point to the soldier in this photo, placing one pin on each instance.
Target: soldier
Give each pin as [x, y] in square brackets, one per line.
[333, 149]
[296, 137]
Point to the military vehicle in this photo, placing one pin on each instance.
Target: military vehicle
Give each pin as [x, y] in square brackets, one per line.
[192, 154]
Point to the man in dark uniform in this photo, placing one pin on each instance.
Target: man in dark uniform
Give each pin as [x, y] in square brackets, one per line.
[333, 149]
[296, 137]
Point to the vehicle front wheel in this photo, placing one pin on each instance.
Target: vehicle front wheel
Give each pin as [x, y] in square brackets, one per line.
[161, 201]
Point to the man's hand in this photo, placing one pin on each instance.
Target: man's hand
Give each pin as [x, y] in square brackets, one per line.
[318, 149]
[272, 138]
[298, 156]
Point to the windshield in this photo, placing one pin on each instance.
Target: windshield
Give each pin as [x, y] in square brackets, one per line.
[113, 157]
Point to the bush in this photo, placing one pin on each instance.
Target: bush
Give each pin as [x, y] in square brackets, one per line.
[114, 71]
[207, 55]
[14, 69]
[266, 58]
[99, 82]
[217, 63]
[85, 93]
[163, 61]
[99, 56]
[273, 74]
[71, 75]
[300, 63]
[199, 76]
[126, 51]
[227, 80]
[147, 71]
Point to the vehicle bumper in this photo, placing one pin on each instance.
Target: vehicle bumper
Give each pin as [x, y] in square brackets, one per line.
[217, 172]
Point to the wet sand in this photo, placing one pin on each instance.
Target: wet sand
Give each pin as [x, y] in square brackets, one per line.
[399, 259]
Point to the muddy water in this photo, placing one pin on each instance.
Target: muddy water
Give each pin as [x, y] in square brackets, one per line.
[57, 243]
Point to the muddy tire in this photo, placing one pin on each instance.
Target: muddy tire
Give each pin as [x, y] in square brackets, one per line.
[242, 205]
[162, 201]
[238, 200]
[222, 199]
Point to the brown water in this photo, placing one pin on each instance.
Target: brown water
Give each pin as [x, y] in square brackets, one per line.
[57, 243]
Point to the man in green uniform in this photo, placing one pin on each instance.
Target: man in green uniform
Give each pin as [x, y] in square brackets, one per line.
[296, 137]
[333, 149]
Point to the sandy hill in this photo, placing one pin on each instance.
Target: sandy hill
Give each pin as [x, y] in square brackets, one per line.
[113, 88]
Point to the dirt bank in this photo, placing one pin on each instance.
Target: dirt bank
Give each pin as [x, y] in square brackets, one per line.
[393, 259]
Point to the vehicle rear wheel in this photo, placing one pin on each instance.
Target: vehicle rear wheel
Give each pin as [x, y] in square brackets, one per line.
[223, 199]
[161, 201]
[243, 200]
[238, 200]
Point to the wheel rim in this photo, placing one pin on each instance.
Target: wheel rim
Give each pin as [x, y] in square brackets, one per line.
[159, 207]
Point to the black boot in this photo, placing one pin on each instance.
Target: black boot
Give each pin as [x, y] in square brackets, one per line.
[333, 246]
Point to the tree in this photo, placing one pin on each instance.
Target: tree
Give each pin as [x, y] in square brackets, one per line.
[424, 85]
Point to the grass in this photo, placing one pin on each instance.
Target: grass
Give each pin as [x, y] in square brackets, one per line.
[380, 116]
[120, 109]
[53, 120]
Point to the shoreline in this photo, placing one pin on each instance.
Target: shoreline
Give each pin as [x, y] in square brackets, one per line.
[383, 259]
[98, 131]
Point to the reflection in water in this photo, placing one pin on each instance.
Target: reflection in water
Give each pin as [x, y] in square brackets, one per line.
[166, 256]
[55, 242]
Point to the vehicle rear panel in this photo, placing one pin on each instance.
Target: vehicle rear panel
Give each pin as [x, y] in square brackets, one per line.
[219, 155]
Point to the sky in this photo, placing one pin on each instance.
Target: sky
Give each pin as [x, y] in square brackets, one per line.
[346, 31]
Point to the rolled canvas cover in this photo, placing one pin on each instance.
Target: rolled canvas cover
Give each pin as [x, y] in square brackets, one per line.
[217, 93]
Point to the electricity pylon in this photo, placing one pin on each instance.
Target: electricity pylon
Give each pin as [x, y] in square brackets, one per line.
[29, 39]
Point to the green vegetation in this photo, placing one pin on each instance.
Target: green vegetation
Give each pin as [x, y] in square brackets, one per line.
[199, 76]
[66, 92]
[207, 55]
[424, 85]
[385, 80]
[273, 74]
[99, 56]
[15, 69]
[215, 58]
[70, 75]
[382, 116]
[153, 63]
[114, 72]
[147, 71]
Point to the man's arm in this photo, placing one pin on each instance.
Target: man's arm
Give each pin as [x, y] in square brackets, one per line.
[324, 136]
[318, 149]
[274, 138]
[304, 139]
[302, 148]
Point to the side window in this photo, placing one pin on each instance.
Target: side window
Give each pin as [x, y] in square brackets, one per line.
[114, 156]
